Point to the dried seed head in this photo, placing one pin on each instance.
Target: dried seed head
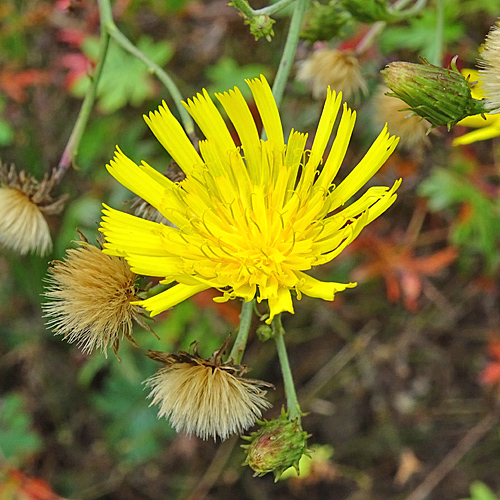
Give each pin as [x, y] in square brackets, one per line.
[91, 297]
[335, 68]
[489, 62]
[206, 397]
[23, 203]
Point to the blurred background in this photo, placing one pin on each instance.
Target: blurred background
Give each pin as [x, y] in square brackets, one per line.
[399, 376]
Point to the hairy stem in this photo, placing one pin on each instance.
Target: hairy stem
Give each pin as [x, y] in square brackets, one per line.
[289, 50]
[242, 336]
[126, 44]
[71, 149]
[294, 412]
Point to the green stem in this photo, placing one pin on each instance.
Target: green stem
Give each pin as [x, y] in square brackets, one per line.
[437, 51]
[292, 402]
[126, 44]
[289, 50]
[245, 9]
[241, 338]
[71, 149]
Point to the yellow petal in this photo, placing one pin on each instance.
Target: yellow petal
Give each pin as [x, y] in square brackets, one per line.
[268, 110]
[237, 110]
[320, 289]
[211, 123]
[282, 303]
[171, 135]
[481, 134]
[169, 298]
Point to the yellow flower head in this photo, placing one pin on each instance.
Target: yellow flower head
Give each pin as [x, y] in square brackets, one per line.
[248, 221]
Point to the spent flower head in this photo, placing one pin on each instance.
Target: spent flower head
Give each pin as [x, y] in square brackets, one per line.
[441, 96]
[338, 69]
[208, 398]
[24, 202]
[489, 61]
[247, 220]
[90, 299]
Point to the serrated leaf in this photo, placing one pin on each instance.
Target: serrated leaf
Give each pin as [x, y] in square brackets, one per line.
[125, 79]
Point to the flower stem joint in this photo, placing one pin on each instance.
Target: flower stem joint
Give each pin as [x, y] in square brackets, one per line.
[276, 446]
[441, 96]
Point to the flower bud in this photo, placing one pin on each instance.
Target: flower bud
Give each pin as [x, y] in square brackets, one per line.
[261, 26]
[276, 446]
[441, 96]
[326, 21]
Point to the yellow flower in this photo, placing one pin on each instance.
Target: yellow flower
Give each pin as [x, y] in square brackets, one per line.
[489, 126]
[247, 221]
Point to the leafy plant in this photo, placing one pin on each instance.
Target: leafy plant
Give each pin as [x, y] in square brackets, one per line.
[125, 79]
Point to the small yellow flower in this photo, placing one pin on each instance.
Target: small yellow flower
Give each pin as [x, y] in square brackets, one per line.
[90, 299]
[488, 125]
[335, 68]
[24, 202]
[247, 221]
[206, 397]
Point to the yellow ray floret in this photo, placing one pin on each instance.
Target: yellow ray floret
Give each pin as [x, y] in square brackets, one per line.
[248, 220]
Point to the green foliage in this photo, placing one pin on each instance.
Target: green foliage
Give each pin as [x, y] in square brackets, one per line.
[17, 438]
[125, 79]
[6, 131]
[226, 74]
[479, 491]
[133, 431]
[326, 21]
[420, 34]
[479, 230]
[368, 11]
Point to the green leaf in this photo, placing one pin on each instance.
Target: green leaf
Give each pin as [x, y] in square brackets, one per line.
[226, 74]
[420, 35]
[479, 491]
[125, 79]
[479, 230]
[17, 438]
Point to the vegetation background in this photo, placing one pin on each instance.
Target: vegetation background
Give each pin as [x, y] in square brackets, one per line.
[399, 375]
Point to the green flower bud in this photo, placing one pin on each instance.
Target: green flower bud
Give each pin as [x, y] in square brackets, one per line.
[264, 333]
[441, 96]
[276, 446]
[324, 22]
[261, 25]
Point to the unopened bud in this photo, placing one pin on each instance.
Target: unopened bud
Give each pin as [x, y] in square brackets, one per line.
[276, 446]
[261, 26]
[326, 21]
[441, 96]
